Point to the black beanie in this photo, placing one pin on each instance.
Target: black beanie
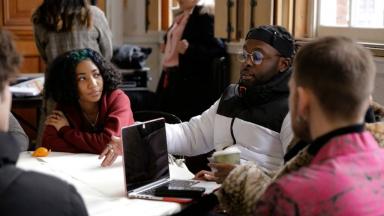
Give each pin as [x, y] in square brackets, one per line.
[276, 36]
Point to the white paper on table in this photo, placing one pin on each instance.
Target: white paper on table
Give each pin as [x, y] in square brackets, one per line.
[86, 168]
[30, 87]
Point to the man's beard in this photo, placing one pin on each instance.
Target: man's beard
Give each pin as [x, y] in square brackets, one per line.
[258, 79]
[300, 128]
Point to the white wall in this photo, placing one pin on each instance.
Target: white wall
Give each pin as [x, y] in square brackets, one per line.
[114, 15]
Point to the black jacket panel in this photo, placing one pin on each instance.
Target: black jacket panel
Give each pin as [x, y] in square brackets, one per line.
[265, 105]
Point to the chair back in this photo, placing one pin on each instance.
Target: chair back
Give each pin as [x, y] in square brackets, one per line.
[145, 115]
[220, 76]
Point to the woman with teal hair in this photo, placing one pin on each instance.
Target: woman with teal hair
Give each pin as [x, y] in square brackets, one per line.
[90, 107]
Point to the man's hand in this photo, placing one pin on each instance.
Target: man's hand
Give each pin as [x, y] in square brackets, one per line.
[112, 151]
[57, 119]
[221, 171]
[205, 175]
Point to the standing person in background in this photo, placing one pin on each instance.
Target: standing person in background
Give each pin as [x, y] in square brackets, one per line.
[25, 192]
[90, 107]
[186, 82]
[63, 25]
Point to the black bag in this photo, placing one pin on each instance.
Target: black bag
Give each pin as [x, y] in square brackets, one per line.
[130, 56]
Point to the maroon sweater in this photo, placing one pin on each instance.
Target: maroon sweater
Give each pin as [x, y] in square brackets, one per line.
[81, 137]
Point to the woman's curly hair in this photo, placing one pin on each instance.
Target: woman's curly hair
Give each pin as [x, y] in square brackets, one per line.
[61, 83]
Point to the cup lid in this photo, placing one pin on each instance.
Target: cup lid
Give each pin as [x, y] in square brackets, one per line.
[229, 150]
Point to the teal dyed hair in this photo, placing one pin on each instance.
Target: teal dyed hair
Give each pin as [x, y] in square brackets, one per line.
[77, 56]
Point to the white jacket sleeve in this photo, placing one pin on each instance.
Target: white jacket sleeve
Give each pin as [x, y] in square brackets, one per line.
[194, 137]
[286, 133]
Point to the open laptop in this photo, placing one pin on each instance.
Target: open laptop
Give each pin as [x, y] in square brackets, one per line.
[146, 165]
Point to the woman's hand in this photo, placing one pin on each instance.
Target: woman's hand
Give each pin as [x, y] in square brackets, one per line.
[182, 46]
[57, 119]
[112, 151]
[162, 48]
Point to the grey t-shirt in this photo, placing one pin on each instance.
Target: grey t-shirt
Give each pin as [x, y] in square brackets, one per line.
[18, 133]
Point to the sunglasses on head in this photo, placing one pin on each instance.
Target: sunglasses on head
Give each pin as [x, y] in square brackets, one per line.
[256, 56]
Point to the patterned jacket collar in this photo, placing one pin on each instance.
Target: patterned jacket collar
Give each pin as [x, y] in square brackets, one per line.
[319, 142]
[341, 142]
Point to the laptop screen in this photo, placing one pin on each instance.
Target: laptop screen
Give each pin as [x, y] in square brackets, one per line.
[145, 153]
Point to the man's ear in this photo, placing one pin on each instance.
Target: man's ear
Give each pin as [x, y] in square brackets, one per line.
[303, 102]
[284, 64]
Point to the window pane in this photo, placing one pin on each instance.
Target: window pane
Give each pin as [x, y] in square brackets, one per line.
[367, 13]
[334, 13]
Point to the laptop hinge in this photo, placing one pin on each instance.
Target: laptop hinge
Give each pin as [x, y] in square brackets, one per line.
[153, 184]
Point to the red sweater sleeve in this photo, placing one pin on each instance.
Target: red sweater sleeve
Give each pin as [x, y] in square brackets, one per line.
[52, 140]
[115, 112]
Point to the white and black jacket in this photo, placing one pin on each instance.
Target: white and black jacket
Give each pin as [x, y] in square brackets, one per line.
[257, 123]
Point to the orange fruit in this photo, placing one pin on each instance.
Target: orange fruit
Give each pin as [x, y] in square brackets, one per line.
[41, 152]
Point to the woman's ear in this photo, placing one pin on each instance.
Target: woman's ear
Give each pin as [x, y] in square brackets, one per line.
[303, 103]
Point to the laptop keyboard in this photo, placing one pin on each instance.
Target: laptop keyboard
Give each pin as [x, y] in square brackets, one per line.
[172, 183]
[181, 183]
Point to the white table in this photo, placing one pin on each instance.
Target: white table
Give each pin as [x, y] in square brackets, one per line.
[102, 188]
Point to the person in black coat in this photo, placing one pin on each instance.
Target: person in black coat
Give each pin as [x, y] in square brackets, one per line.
[25, 192]
[186, 86]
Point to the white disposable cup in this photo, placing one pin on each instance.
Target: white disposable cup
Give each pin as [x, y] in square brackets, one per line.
[230, 155]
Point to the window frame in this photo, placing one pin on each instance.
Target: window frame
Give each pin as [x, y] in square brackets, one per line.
[364, 35]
